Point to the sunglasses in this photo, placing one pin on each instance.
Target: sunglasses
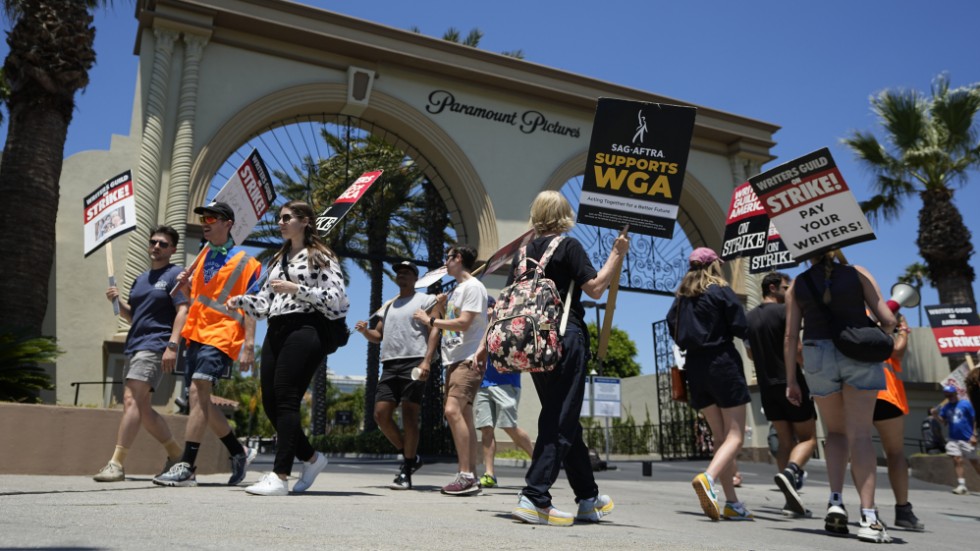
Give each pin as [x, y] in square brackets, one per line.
[210, 219]
[287, 218]
[450, 256]
[163, 244]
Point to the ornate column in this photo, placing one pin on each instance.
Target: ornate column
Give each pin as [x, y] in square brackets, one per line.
[148, 173]
[178, 192]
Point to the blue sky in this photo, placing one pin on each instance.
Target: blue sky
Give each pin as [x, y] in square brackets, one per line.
[809, 68]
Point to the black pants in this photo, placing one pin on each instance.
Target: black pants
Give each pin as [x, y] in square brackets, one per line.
[294, 348]
[559, 430]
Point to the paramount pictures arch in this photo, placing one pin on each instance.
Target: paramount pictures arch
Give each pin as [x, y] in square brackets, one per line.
[213, 73]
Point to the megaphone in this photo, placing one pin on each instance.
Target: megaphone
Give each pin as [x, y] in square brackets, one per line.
[903, 296]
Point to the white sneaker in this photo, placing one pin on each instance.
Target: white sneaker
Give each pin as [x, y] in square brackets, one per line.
[591, 510]
[961, 490]
[873, 532]
[269, 485]
[310, 470]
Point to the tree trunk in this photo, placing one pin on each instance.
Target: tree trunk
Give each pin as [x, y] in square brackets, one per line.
[945, 245]
[29, 184]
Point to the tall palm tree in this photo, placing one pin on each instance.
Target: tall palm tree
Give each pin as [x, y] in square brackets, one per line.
[51, 52]
[932, 144]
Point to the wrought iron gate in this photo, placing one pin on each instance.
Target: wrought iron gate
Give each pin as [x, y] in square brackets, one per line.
[681, 434]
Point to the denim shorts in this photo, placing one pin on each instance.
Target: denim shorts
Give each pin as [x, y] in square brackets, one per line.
[207, 363]
[827, 370]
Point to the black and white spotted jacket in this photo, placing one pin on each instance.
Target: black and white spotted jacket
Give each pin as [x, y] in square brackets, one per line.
[320, 290]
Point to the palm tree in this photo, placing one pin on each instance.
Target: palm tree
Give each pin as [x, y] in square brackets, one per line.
[51, 52]
[932, 144]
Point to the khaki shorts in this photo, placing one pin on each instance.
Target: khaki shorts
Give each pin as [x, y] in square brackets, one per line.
[462, 381]
[146, 366]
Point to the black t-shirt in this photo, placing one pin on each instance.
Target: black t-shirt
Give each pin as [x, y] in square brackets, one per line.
[569, 263]
[706, 321]
[767, 326]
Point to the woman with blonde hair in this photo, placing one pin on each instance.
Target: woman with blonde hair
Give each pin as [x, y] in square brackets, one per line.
[704, 320]
[562, 390]
[844, 389]
[305, 290]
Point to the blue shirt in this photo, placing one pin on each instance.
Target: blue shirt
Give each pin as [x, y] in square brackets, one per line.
[492, 377]
[153, 309]
[959, 417]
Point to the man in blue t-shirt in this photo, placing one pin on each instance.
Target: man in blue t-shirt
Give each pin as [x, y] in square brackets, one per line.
[496, 407]
[959, 416]
[155, 319]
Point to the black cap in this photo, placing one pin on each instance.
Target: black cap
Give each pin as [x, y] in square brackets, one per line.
[405, 265]
[219, 208]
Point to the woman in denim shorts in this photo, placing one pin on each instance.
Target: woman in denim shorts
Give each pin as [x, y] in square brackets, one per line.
[843, 389]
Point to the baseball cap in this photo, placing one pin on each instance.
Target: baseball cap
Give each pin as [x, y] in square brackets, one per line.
[405, 265]
[217, 207]
[703, 255]
[491, 302]
[949, 389]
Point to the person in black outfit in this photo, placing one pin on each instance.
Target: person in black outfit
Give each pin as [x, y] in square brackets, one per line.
[561, 391]
[704, 320]
[796, 426]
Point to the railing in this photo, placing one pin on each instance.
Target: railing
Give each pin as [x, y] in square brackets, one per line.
[78, 386]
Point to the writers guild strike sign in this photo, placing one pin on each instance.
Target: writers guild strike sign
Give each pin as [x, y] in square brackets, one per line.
[956, 328]
[635, 168]
[249, 192]
[340, 207]
[109, 211]
[750, 233]
[811, 205]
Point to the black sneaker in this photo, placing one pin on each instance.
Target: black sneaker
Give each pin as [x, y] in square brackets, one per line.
[905, 518]
[240, 462]
[404, 479]
[786, 481]
[417, 464]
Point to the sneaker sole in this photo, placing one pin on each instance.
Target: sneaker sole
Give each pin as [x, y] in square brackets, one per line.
[905, 525]
[793, 514]
[176, 484]
[471, 492]
[836, 524]
[394, 486]
[789, 491]
[119, 479]
[531, 516]
[874, 536]
[708, 505]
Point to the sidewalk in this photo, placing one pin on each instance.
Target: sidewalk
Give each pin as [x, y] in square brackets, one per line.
[350, 507]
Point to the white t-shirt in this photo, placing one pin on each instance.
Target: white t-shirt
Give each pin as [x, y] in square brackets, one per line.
[404, 337]
[468, 296]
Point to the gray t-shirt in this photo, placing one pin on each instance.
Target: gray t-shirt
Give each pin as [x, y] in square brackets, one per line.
[405, 337]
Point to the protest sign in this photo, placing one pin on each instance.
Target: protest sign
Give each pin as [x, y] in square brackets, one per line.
[811, 205]
[431, 277]
[249, 192]
[505, 255]
[108, 211]
[330, 217]
[956, 328]
[774, 257]
[635, 168]
[747, 226]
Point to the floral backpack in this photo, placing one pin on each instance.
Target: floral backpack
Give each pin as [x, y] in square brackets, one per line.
[529, 318]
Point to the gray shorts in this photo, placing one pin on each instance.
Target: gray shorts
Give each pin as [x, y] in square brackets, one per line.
[496, 406]
[146, 366]
[961, 448]
[827, 370]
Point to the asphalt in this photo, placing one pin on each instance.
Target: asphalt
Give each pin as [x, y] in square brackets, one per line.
[350, 507]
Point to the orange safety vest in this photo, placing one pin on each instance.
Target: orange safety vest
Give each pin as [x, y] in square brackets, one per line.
[894, 392]
[208, 321]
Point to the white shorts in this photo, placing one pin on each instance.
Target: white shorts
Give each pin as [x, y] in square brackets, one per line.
[496, 406]
[961, 448]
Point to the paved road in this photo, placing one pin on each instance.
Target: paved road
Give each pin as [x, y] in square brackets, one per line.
[350, 507]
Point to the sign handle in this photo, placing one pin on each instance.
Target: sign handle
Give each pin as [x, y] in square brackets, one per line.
[192, 267]
[610, 306]
[112, 275]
